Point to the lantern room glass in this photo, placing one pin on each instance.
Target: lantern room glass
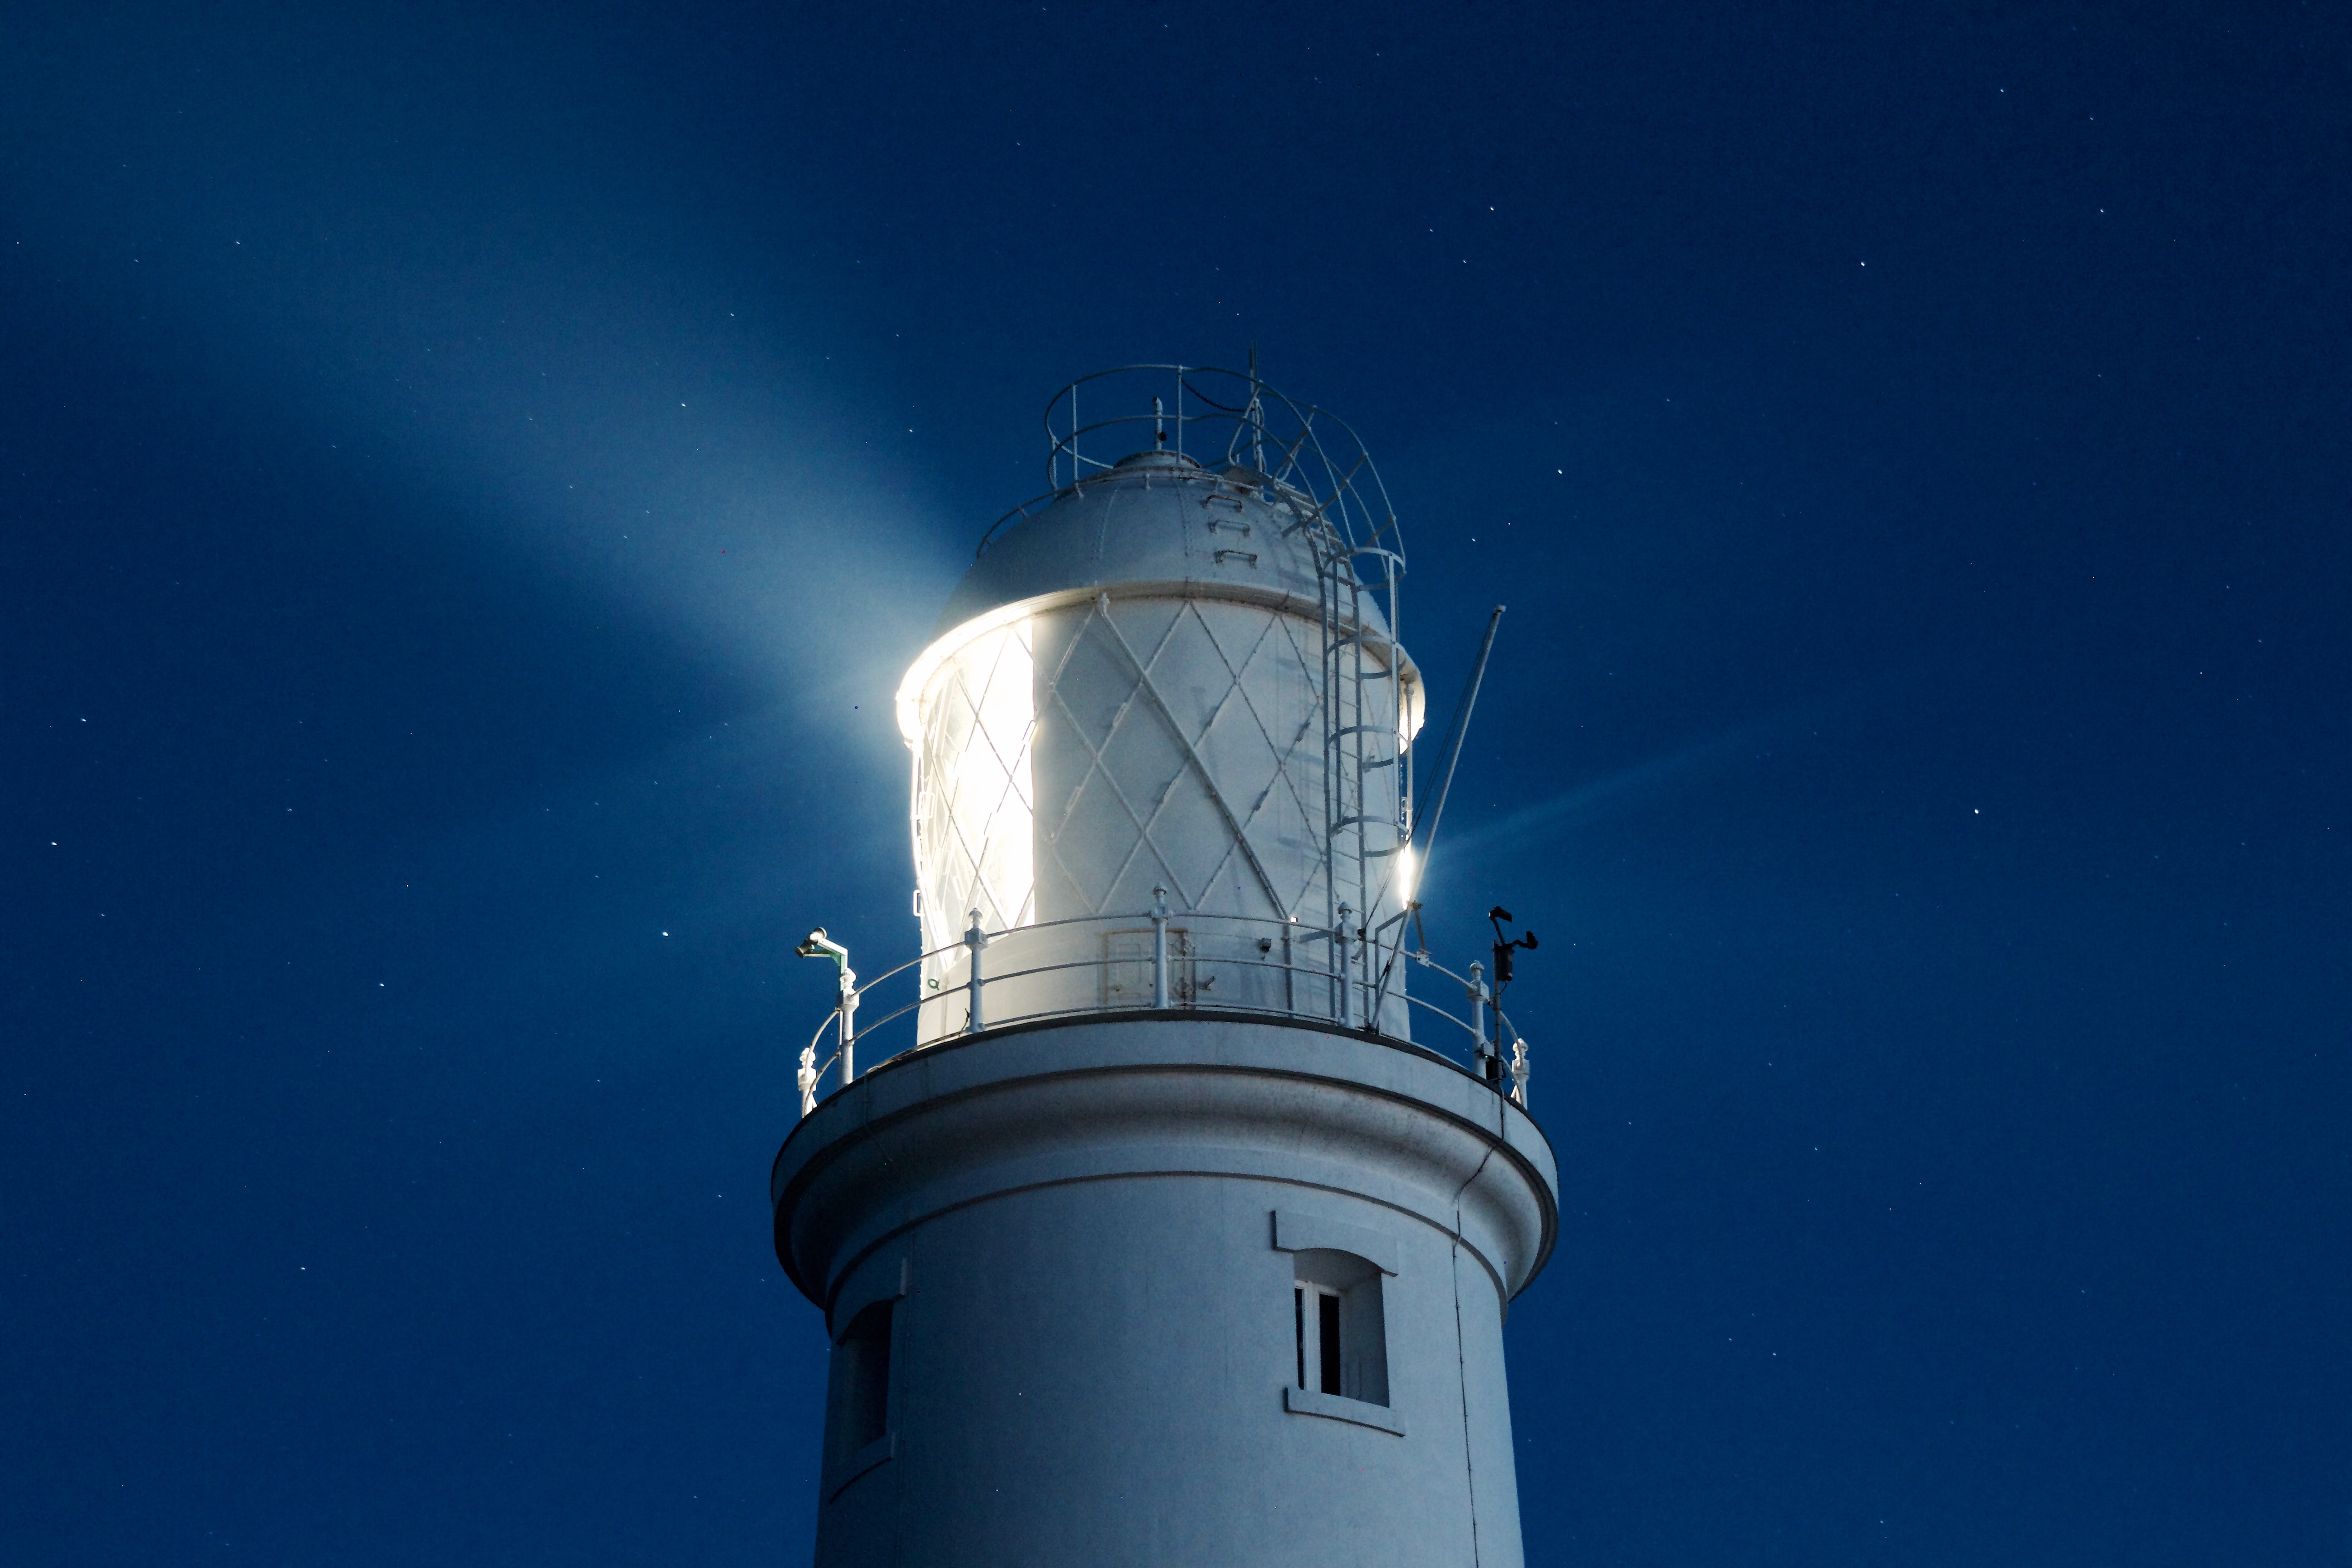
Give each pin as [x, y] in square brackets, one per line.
[975, 800]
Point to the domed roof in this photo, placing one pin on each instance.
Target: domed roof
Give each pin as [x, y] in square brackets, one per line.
[1156, 520]
[1156, 524]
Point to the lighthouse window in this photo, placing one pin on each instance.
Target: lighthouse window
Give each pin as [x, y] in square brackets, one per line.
[860, 1416]
[1340, 1326]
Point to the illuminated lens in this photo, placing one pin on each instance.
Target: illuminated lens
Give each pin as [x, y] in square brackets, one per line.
[977, 802]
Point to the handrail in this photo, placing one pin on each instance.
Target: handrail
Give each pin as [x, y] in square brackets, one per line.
[1357, 973]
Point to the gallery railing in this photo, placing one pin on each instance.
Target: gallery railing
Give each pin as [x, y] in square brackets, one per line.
[1161, 959]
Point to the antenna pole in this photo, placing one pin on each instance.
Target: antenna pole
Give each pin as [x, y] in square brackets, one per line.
[1461, 734]
[1256, 418]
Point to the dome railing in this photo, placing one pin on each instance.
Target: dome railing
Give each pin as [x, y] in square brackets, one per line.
[1271, 442]
[1171, 963]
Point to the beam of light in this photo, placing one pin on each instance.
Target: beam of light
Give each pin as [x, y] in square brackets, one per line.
[1593, 800]
[514, 325]
[1589, 801]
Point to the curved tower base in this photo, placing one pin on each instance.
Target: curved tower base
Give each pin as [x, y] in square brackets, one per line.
[1166, 1289]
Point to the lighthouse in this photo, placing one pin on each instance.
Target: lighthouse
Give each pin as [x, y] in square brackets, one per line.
[1165, 1206]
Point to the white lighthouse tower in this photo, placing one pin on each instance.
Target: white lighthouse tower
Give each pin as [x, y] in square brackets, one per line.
[1174, 1231]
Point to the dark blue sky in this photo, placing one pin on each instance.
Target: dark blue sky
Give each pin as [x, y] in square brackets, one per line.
[473, 474]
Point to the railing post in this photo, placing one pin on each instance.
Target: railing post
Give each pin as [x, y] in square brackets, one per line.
[974, 939]
[1289, 974]
[1520, 1071]
[1159, 947]
[848, 1005]
[1339, 948]
[1489, 1064]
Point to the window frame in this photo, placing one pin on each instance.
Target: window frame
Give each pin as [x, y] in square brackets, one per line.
[1339, 1319]
[884, 1289]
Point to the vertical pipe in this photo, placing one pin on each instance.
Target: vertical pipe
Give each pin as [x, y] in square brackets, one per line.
[848, 1006]
[974, 939]
[1339, 959]
[1159, 947]
[1355, 721]
[1328, 596]
[1402, 741]
[1480, 1049]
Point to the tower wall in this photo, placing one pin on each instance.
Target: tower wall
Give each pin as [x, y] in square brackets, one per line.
[1088, 1241]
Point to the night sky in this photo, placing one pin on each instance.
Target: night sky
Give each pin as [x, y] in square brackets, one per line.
[471, 477]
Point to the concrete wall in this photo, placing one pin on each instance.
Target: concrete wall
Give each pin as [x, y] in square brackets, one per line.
[1092, 1354]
